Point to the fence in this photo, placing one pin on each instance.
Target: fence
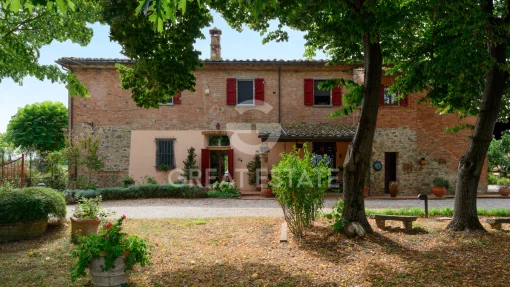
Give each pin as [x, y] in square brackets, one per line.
[13, 172]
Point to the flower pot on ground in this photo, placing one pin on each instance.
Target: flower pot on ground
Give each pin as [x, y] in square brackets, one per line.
[87, 217]
[441, 185]
[110, 255]
[504, 191]
[267, 191]
[393, 185]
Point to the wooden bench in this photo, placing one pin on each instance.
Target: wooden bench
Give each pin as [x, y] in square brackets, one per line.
[380, 220]
[495, 223]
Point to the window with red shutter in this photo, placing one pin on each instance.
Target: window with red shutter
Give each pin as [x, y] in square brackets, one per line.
[231, 91]
[259, 91]
[177, 99]
[336, 96]
[388, 98]
[405, 101]
[308, 93]
[205, 167]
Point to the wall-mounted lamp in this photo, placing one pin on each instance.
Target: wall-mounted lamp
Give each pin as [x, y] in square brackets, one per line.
[240, 159]
[207, 91]
[217, 126]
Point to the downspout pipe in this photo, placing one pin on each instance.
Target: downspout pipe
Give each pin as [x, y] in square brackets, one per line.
[279, 95]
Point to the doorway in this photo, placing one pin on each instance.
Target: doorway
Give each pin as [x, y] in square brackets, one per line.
[390, 170]
[218, 166]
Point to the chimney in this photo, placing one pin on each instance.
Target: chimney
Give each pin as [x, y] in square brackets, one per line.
[215, 44]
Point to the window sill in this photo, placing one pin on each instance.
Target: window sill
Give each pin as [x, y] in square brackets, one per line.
[250, 105]
[322, 106]
[166, 104]
[393, 107]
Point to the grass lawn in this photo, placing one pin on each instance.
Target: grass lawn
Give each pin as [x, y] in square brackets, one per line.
[246, 252]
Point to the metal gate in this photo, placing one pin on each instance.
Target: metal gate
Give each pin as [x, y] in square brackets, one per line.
[13, 172]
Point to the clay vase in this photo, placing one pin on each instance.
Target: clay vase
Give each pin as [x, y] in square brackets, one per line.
[439, 191]
[393, 188]
[267, 192]
[504, 190]
[86, 227]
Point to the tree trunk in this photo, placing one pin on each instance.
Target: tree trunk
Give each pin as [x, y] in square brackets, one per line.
[358, 156]
[465, 217]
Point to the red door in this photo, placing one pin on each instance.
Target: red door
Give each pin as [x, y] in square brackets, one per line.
[205, 167]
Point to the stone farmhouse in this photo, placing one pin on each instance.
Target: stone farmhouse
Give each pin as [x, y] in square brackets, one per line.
[241, 107]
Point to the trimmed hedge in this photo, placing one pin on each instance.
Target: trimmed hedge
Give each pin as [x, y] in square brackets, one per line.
[139, 191]
[30, 204]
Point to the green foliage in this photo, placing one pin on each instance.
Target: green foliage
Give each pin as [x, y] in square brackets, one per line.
[441, 182]
[300, 188]
[498, 154]
[224, 189]
[254, 169]
[127, 181]
[150, 180]
[90, 208]
[335, 217]
[492, 179]
[163, 167]
[27, 26]
[503, 181]
[139, 191]
[165, 60]
[190, 164]
[111, 243]
[38, 126]
[30, 204]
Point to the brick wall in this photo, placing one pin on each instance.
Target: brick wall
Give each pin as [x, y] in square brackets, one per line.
[414, 132]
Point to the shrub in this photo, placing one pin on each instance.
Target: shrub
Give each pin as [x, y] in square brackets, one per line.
[31, 204]
[493, 179]
[254, 170]
[190, 167]
[224, 189]
[150, 180]
[128, 181]
[113, 243]
[335, 217]
[300, 185]
[139, 191]
[503, 181]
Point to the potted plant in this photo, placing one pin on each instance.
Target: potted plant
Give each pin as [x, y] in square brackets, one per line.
[190, 166]
[163, 167]
[267, 191]
[108, 255]
[504, 190]
[254, 171]
[87, 216]
[440, 186]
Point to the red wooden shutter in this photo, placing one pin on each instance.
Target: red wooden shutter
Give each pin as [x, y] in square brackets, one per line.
[336, 96]
[231, 165]
[205, 167]
[177, 100]
[231, 91]
[405, 101]
[309, 92]
[381, 101]
[259, 91]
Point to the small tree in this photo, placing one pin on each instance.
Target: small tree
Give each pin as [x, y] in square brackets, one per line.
[254, 170]
[300, 184]
[498, 154]
[190, 164]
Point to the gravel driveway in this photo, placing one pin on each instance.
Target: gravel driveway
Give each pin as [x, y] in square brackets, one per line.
[203, 208]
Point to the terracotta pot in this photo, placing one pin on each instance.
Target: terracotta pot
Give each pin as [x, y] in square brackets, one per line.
[113, 277]
[439, 191]
[87, 226]
[393, 188]
[267, 192]
[504, 190]
[366, 190]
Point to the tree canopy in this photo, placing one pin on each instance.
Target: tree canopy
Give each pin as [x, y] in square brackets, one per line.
[39, 127]
[27, 26]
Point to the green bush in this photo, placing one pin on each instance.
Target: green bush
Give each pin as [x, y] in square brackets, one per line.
[30, 204]
[224, 189]
[441, 182]
[493, 179]
[300, 183]
[139, 191]
[503, 181]
[336, 222]
[128, 181]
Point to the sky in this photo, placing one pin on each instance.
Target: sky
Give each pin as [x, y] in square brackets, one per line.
[234, 45]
